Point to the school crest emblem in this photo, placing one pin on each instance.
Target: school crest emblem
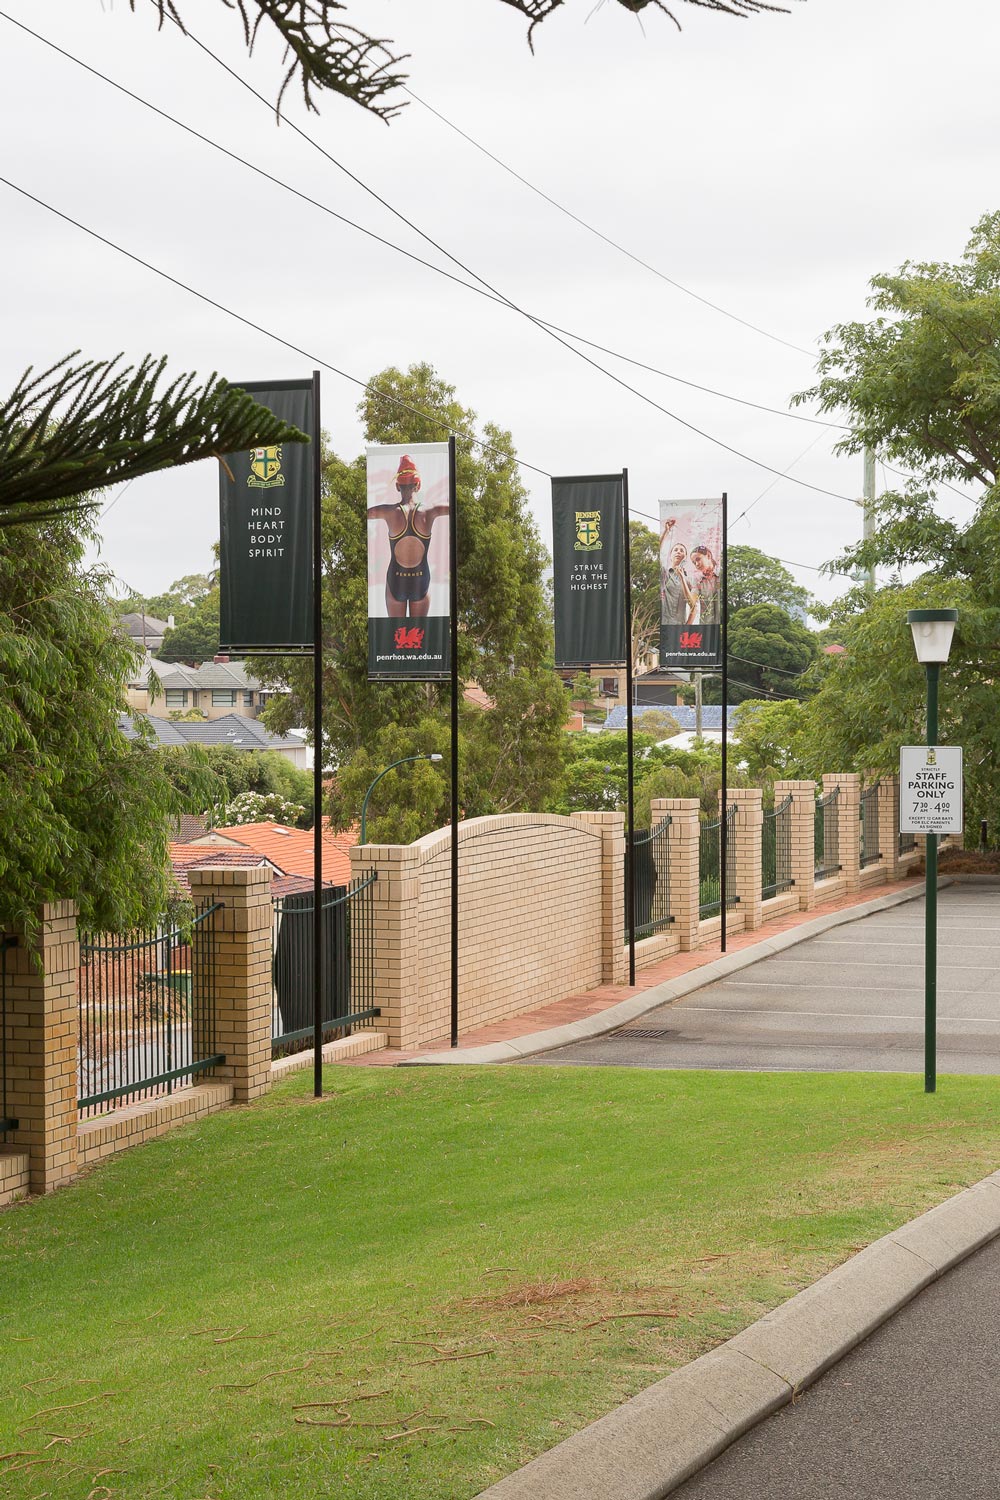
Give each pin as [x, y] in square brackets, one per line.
[588, 531]
[265, 469]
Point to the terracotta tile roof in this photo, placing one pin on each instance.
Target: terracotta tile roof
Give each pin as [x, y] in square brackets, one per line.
[184, 857]
[291, 849]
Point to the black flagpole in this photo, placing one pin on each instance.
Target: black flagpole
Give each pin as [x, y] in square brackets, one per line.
[724, 828]
[630, 833]
[453, 610]
[317, 746]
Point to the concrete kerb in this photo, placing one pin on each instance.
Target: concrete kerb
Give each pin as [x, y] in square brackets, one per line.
[649, 1446]
[636, 1006]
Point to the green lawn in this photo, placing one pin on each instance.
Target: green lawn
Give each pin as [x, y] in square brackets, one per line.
[412, 1286]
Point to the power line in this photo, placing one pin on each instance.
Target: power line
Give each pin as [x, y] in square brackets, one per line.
[365, 385]
[480, 291]
[591, 229]
[397, 213]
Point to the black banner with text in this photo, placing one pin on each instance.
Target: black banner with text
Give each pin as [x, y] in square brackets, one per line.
[265, 517]
[588, 579]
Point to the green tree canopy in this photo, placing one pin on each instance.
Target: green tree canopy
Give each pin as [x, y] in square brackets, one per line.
[920, 383]
[644, 552]
[86, 814]
[178, 600]
[195, 636]
[752, 577]
[513, 750]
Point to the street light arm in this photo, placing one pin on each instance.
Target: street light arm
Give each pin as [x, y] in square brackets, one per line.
[364, 806]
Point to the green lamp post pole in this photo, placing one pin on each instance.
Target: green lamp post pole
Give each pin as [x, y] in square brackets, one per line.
[932, 632]
[933, 670]
[364, 806]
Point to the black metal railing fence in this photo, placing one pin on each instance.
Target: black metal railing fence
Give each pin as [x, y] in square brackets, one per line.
[776, 850]
[871, 849]
[147, 1011]
[710, 866]
[827, 834]
[348, 964]
[650, 861]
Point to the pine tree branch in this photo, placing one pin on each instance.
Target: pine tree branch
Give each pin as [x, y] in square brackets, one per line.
[76, 429]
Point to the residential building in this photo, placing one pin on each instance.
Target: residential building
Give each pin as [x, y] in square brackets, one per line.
[233, 729]
[216, 689]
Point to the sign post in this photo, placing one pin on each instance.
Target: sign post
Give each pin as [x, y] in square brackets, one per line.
[930, 802]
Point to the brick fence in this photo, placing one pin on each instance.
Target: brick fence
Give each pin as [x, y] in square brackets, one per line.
[541, 916]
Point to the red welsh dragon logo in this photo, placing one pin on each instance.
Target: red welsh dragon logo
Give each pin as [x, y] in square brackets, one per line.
[691, 640]
[409, 640]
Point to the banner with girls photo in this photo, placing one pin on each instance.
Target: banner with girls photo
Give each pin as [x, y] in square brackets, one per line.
[409, 576]
[692, 541]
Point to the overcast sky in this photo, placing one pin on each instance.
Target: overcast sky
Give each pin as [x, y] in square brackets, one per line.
[769, 165]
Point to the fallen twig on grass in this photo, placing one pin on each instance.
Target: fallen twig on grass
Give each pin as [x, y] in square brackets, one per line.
[270, 1375]
[344, 1401]
[394, 1437]
[444, 1359]
[654, 1312]
[345, 1421]
[47, 1411]
[239, 1334]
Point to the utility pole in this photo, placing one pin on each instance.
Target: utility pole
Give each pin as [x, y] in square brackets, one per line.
[869, 507]
[697, 704]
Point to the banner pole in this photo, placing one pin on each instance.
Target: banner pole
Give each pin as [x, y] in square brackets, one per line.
[630, 834]
[724, 828]
[317, 746]
[453, 609]
[317, 743]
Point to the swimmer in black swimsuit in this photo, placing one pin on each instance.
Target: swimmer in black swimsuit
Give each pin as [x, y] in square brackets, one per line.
[408, 580]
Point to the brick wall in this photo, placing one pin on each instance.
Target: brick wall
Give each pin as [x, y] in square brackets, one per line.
[540, 917]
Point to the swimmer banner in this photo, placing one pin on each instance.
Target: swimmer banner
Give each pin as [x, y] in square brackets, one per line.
[692, 537]
[265, 533]
[409, 574]
[588, 570]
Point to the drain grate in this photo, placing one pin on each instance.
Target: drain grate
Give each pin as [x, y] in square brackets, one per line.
[644, 1033]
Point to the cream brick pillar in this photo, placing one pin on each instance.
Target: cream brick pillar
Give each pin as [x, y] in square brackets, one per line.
[849, 823]
[747, 831]
[240, 936]
[614, 954]
[683, 855]
[803, 810]
[888, 825]
[42, 1038]
[396, 935]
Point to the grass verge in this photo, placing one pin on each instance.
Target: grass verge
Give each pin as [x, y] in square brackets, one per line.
[417, 1283]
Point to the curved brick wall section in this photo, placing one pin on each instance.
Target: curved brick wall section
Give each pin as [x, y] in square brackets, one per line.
[539, 918]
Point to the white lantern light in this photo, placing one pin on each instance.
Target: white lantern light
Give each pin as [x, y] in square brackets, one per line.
[932, 632]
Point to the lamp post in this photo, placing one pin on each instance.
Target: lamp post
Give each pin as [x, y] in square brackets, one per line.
[364, 806]
[932, 632]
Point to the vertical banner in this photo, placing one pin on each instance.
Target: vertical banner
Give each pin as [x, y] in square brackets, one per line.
[692, 538]
[588, 578]
[409, 571]
[265, 531]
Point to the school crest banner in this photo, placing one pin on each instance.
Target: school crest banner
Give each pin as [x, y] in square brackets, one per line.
[409, 575]
[588, 579]
[265, 533]
[692, 534]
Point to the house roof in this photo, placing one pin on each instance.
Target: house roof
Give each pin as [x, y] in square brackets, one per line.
[291, 849]
[231, 729]
[211, 674]
[140, 626]
[185, 857]
[711, 715]
[188, 826]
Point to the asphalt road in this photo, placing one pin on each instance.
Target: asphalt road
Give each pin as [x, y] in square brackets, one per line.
[908, 1415]
[849, 1000]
